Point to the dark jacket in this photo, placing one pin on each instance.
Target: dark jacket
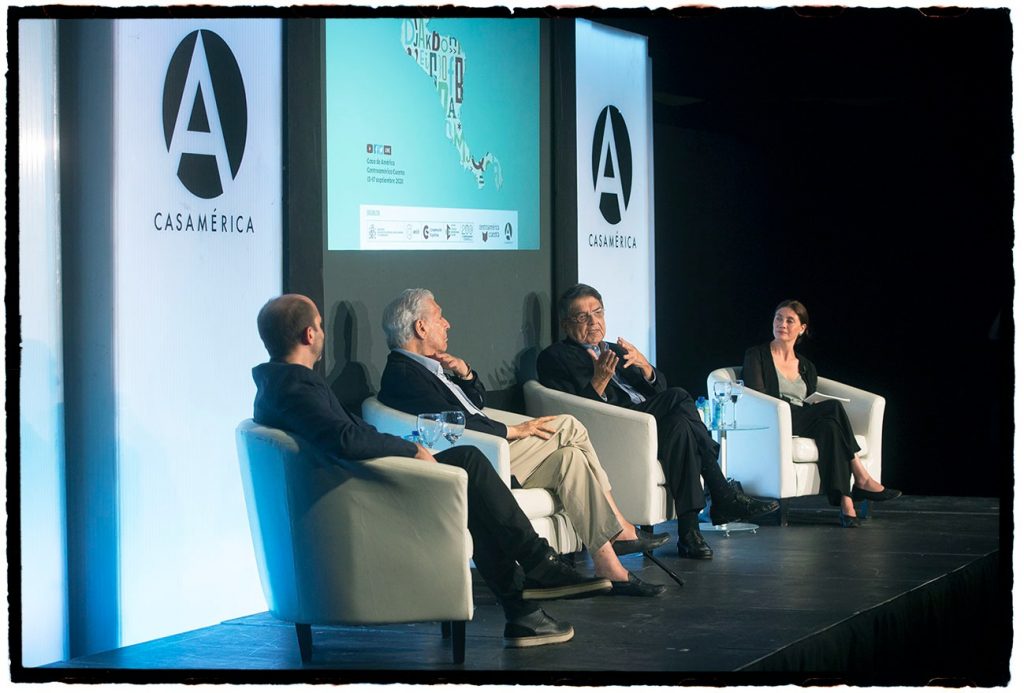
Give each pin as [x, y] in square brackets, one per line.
[759, 371]
[568, 366]
[297, 399]
[408, 386]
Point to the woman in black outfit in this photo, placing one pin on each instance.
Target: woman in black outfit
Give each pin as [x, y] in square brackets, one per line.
[777, 370]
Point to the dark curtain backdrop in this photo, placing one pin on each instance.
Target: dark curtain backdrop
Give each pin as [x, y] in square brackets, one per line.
[859, 161]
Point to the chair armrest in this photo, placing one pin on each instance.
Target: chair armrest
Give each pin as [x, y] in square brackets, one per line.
[387, 420]
[761, 459]
[509, 418]
[758, 409]
[419, 511]
[395, 422]
[495, 449]
[606, 423]
[866, 411]
[338, 516]
[625, 440]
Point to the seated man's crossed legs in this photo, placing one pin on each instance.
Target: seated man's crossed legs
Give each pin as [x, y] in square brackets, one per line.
[567, 464]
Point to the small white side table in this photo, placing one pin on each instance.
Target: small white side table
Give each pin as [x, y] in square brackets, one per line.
[721, 436]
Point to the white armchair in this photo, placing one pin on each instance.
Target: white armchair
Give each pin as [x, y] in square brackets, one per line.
[376, 541]
[542, 507]
[627, 443]
[776, 464]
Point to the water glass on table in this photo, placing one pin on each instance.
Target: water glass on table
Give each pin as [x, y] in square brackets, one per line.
[430, 427]
[735, 392]
[719, 392]
[453, 425]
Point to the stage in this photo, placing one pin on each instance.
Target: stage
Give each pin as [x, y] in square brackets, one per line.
[919, 595]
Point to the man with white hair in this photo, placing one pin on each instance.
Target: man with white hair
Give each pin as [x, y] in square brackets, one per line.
[291, 396]
[552, 452]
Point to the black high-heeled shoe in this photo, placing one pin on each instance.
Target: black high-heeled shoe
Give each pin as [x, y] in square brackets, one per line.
[848, 521]
[858, 494]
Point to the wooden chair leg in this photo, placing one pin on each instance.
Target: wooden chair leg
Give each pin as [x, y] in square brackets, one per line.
[458, 630]
[446, 629]
[304, 632]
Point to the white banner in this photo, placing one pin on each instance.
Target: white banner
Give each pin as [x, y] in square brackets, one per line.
[614, 186]
[44, 585]
[198, 250]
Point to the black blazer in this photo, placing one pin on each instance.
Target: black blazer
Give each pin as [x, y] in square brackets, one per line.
[568, 366]
[408, 386]
[759, 371]
[298, 400]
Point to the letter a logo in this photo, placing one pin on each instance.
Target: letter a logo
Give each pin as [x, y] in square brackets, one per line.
[205, 113]
[612, 164]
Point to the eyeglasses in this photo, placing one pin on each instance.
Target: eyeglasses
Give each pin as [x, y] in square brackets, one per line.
[582, 318]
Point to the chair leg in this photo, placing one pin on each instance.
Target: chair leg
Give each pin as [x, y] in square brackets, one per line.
[304, 632]
[458, 629]
[783, 512]
[446, 629]
[671, 574]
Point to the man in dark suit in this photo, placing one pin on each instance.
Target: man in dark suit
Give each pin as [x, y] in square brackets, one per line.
[552, 452]
[291, 396]
[584, 364]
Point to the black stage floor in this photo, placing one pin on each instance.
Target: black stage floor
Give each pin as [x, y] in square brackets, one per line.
[919, 595]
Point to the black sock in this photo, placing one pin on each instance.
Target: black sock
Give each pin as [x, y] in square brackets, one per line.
[687, 521]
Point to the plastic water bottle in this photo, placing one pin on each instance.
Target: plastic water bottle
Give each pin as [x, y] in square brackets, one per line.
[702, 409]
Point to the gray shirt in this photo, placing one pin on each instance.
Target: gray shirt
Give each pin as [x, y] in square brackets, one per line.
[793, 391]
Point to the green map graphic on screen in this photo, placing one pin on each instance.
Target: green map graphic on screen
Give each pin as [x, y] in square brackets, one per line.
[433, 134]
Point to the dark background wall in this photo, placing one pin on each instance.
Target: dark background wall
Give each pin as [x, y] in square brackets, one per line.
[856, 159]
[859, 161]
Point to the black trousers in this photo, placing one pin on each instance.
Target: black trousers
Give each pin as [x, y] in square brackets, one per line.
[830, 427]
[686, 451]
[504, 541]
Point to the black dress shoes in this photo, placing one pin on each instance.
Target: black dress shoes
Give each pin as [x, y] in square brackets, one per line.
[552, 578]
[536, 628]
[740, 508]
[635, 587]
[644, 542]
[859, 494]
[692, 545]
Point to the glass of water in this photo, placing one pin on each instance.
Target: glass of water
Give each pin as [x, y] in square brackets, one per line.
[735, 392]
[454, 425]
[720, 393]
[430, 427]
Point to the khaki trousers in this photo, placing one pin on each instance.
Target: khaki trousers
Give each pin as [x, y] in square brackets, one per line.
[567, 464]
